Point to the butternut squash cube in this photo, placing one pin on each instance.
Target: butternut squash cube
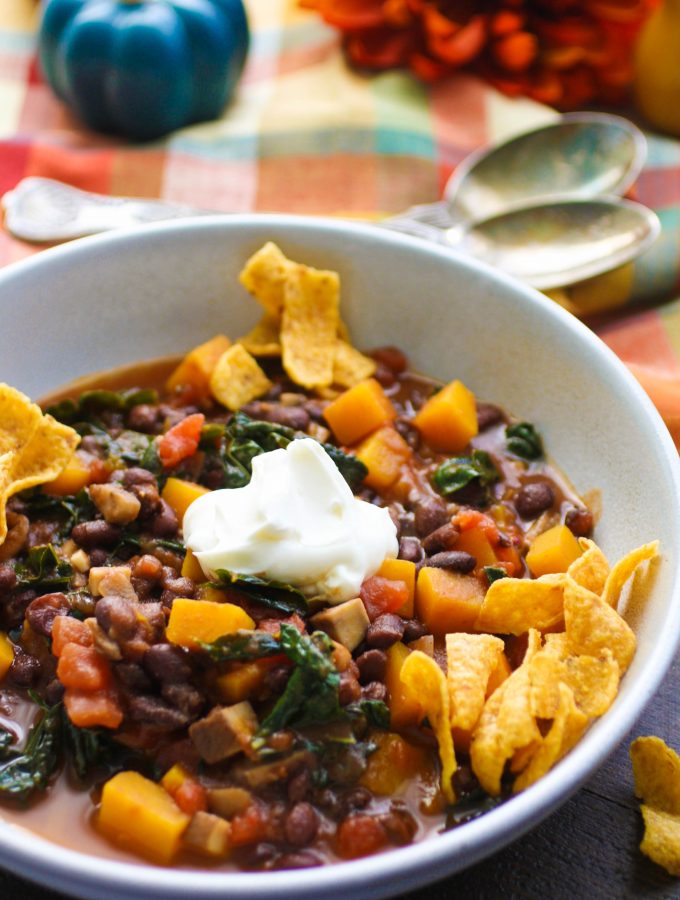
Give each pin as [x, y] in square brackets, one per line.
[448, 421]
[477, 544]
[174, 778]
[181, 494]
[240, 683]
[200, 620]
[404, 707]
[553, 551]
[392, 763]
[383, 453]
[401, 570]
[72, 478]
[198, 365]
[191, 568]
[141, 816]
[359, 411]
[6, 654]
[447, 601]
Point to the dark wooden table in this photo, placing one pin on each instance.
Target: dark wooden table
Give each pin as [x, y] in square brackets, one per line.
[587, 849]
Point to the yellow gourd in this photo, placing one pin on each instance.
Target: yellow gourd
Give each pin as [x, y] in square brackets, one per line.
[657, 68]
[200, 620]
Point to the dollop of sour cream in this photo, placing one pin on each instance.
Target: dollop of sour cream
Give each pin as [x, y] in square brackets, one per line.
[296, 522]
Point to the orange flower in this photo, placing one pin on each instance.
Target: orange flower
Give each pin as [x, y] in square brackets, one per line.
[566, 53]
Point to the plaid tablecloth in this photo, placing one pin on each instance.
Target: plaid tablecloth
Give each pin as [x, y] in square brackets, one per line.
[307, 135]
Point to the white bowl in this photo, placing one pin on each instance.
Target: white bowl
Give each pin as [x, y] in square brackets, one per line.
[130, 296]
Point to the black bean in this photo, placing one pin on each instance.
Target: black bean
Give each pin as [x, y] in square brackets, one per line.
[430, 514]
[488, 415]
[384, 375]
[144, 417]
[25, 669]
[165, 522]
[8, 579]
[98, 556]
[411, 549]
[167, 664]
[295, 417]
[315, 409]
[400, 826]
[391, 357]
[96, 534]
[41, 612]
[91, 444]
[384, 631]
[299, 785]
[413, 630]
[464, 780]
[117, 617]
[329, 801]
[376, 690]
[372, 666]
[145, 708]
[441, 539]
[301, 825]
[149, 498]
[356, 798]
[14, 608]
[54, 692]
[301, 860]
[41, 533]
[454, 560]
[579, 521]
[349, 690]
[181, 587]
[213, 477]
[137, 475]
[277, 678]
[185, 698]
[132, 676]
[534, 498]
[260, 854]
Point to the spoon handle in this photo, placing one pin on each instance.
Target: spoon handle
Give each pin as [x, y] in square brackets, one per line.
[43, 210]
[430, 221]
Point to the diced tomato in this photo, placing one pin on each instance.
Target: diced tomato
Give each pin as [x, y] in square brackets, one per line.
[83, 668]
[67, 630]
[249, 826]
[181, 441]
[509, 559]
[360, 836]
[467, 519]
[87, 709]
[191, 797]
[381, 595]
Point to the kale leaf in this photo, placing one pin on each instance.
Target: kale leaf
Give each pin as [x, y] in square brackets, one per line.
[311, 696]
[42, 570]
[273, 594]
[376, 712]
[246, 438]
[93, 750]
[456, 473]
[31, 769]
[493, 573]
[242, 646]
[524, 441]
[75, 509]
[92, 402]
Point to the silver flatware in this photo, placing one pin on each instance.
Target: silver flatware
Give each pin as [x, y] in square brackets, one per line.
[579, 155]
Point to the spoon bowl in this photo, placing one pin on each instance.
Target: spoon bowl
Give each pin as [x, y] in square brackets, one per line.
[580, 155]
[558, 243]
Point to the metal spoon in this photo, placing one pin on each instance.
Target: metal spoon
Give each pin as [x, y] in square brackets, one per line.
[559, 243]
[579, 155]
[548, 245]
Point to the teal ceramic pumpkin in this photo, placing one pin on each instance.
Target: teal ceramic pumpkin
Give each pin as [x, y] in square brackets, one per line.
[142, 68]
